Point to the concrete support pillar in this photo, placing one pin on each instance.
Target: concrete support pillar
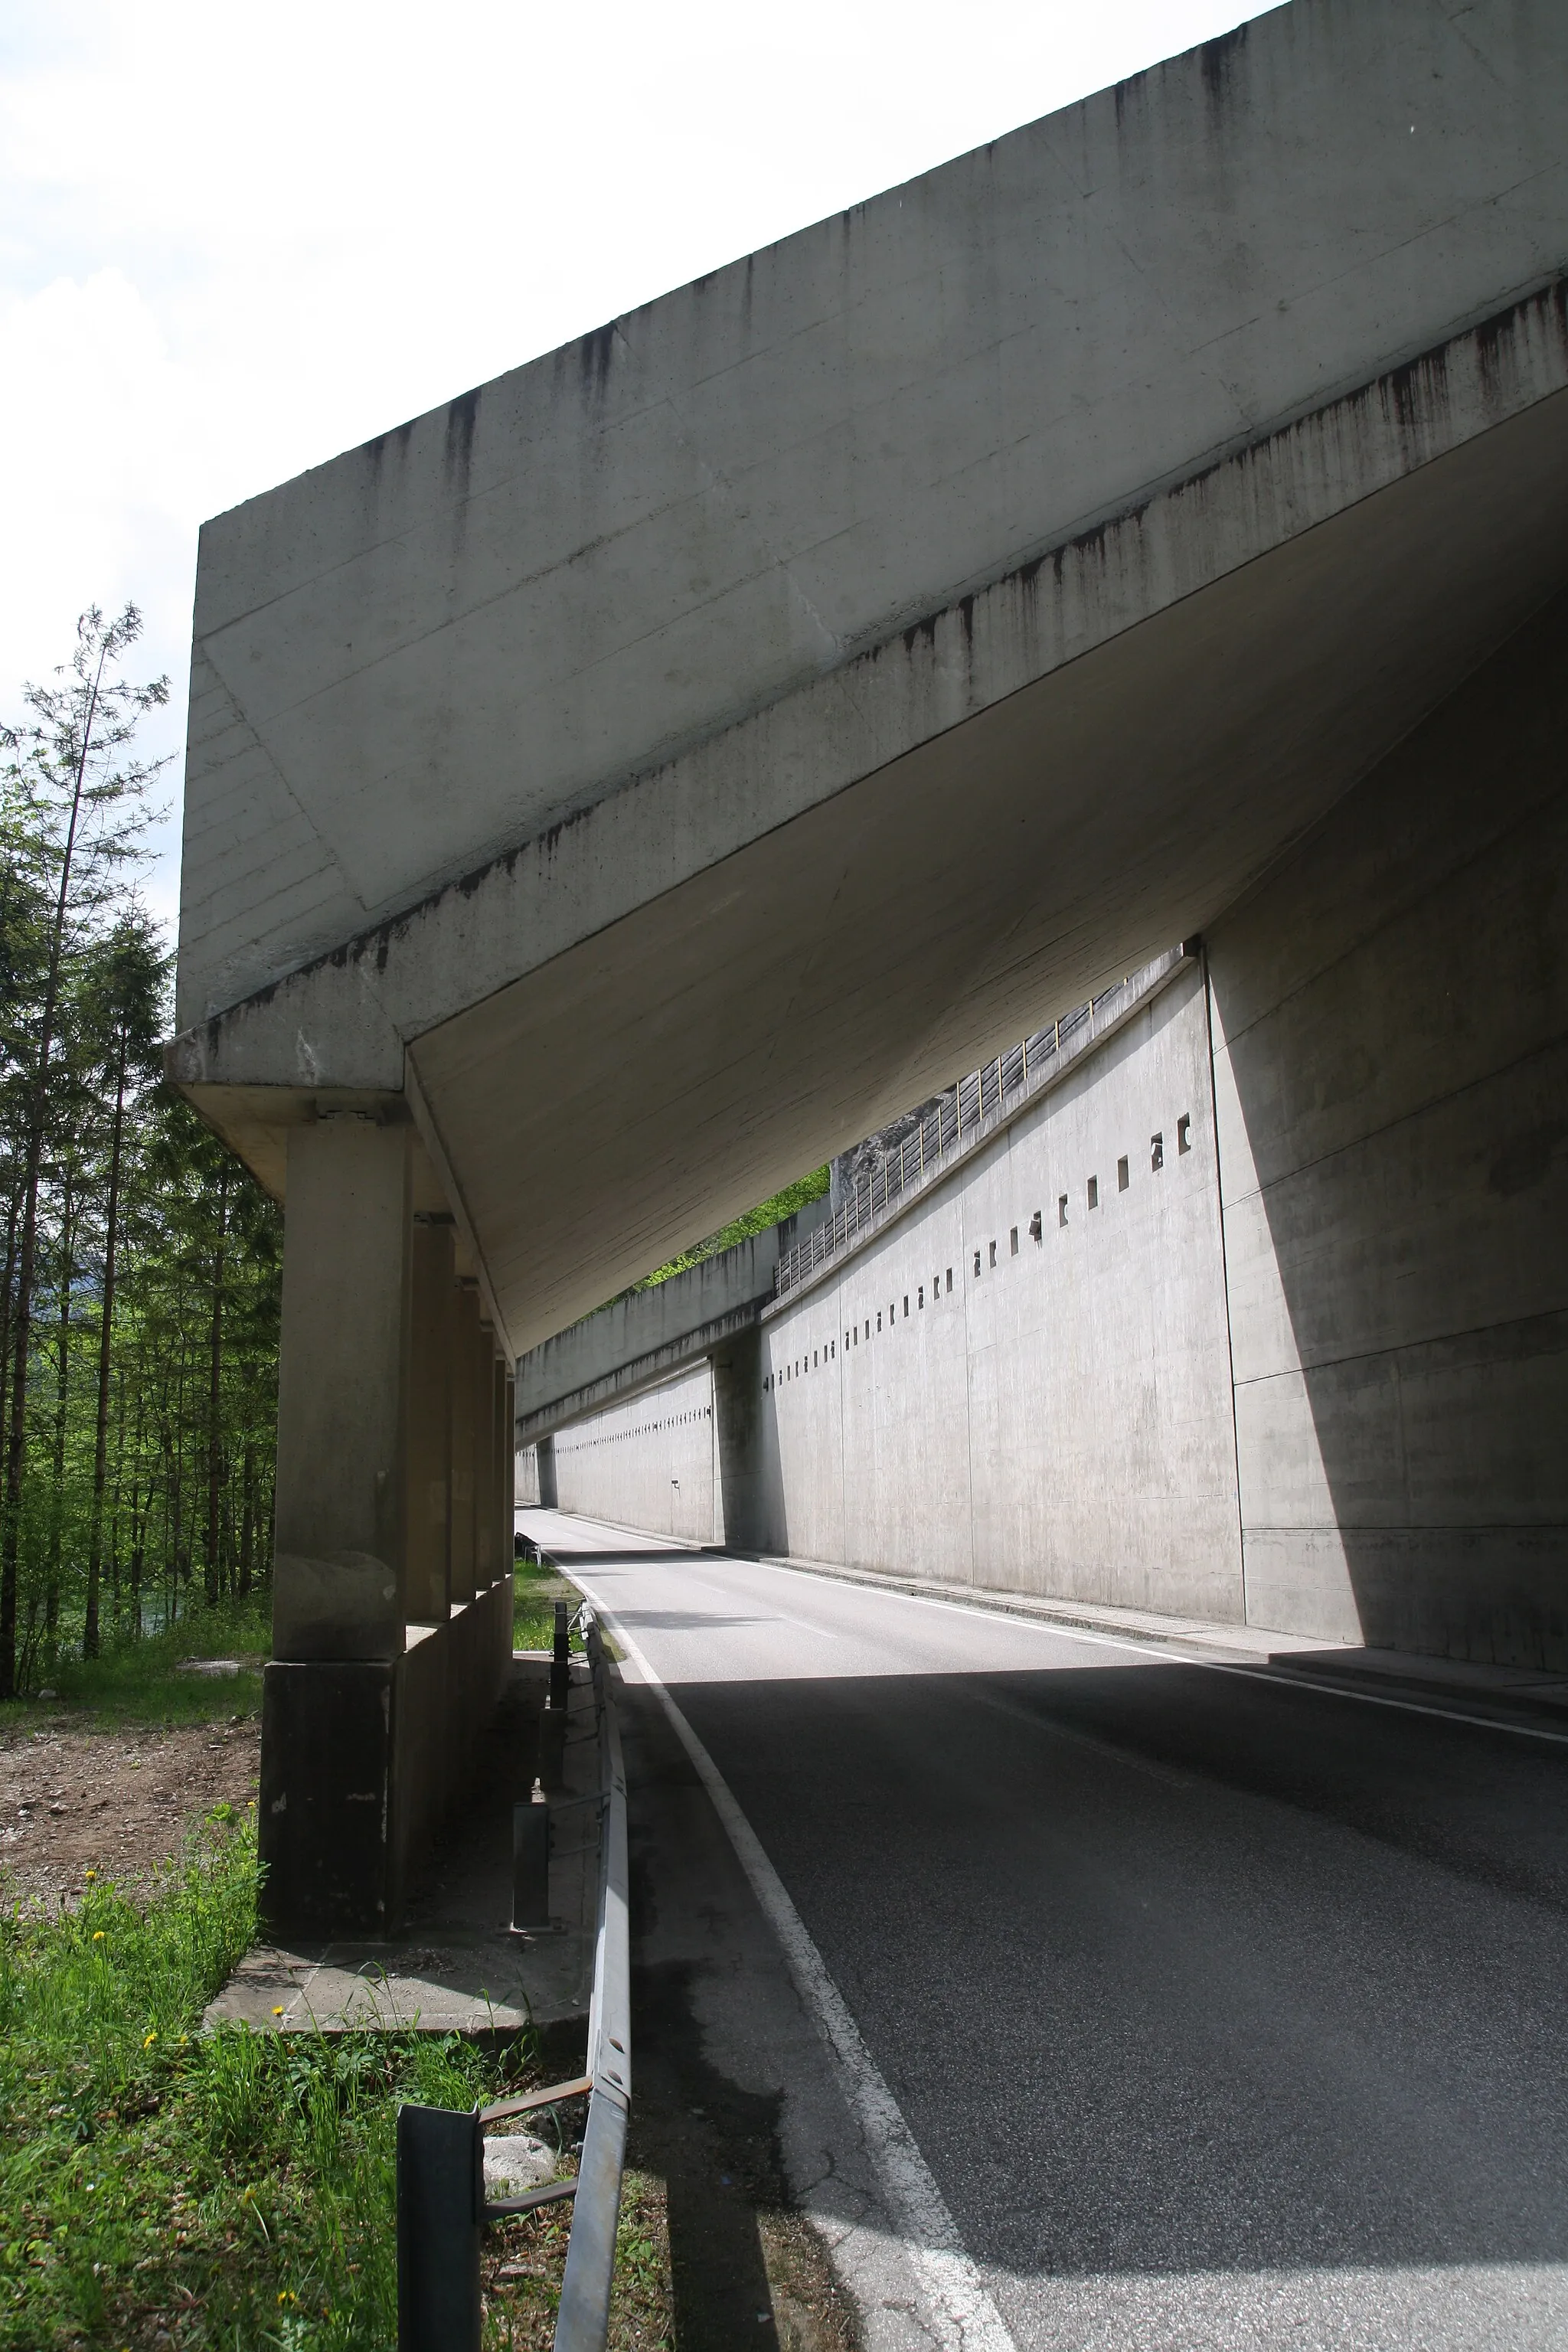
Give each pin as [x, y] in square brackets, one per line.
[378, 1687]
[486, 1566]
[738, 1427]
[433, 1313]
[338, 1584]
[509, 1457]
[501, 1464]
[328, 1694]
[465, 1347]
[548, 1492]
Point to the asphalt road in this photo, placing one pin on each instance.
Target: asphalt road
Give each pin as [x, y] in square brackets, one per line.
[1224, 2013]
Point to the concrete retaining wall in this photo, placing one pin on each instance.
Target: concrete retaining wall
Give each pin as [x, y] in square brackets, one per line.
[1311, 1369]
[648, 1463]
[1047, 1412]
[1057, 1421]
[1391, 1016]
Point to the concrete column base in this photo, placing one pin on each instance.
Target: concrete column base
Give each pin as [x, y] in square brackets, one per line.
[361, 1761]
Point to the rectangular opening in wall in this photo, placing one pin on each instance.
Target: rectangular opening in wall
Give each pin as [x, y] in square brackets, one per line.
[920, 1296]
[905, 1303]
[1013, 1242]
[993, 1247]
[1184, 1131]
[1037, 1227]
[977, 1261]
[1123, 1176]
[1094, 1192]
[1061, 1207]
[1156, 1152]
[950, 1278]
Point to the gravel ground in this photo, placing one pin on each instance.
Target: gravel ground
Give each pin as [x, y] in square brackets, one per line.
[73, 1798]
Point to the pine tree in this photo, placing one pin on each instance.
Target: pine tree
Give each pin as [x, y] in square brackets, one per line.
[139, 1262]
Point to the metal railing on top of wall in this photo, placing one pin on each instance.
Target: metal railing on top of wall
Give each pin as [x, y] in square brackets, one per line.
[961, 1118]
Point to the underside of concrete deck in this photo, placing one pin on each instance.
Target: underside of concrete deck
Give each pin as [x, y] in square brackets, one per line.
[671, 759]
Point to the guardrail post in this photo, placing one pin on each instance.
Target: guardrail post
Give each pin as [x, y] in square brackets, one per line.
[440, 2207]
[560, 1666]
[529, 1865]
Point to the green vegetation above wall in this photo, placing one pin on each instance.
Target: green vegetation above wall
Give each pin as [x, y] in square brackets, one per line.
[793, 1197]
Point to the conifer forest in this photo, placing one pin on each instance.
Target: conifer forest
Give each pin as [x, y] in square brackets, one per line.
[138, 1310]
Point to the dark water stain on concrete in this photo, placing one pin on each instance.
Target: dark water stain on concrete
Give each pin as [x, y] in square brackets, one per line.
[746, 2267]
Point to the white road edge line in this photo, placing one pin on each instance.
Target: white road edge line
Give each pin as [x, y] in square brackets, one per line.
[965, 2318]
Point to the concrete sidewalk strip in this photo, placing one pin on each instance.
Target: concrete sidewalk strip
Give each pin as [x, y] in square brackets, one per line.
[1361, 1670]
[1531, 1698]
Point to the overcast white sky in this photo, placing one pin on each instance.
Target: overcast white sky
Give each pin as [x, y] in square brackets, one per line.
[235, 240]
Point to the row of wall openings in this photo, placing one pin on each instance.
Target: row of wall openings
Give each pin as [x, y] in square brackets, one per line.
[643, 1429]
[802, 1364]
[853, 1336]
[1091, 1191]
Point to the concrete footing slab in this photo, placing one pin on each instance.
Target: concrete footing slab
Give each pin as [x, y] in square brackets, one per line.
[456, 1966]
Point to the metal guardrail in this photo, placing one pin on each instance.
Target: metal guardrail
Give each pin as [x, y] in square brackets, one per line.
[960, 1118]
[442, 2208]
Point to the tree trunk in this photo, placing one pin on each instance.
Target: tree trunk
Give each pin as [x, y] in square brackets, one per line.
[215, 1401]
[89, 1640]
[248, 1521]
[32, 1162]
[62, 1393]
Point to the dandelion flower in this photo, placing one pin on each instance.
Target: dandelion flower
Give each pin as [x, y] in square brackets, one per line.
[92, 1873]
[151, 2038]
[278, 2009]
[98, 1935]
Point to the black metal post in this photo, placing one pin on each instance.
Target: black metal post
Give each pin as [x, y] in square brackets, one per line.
[530, 1864]
[560, 1666]
[440, 2213]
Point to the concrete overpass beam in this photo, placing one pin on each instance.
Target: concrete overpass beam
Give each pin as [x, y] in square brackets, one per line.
[503, 1471]
[428, 1582]
[482, 1373]
[465, 1349]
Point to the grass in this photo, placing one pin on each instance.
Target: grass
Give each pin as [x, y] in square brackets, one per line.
[139, 1681]
[231, 2192]
[536, 1588]
[782, 1204]
[164, 2189]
